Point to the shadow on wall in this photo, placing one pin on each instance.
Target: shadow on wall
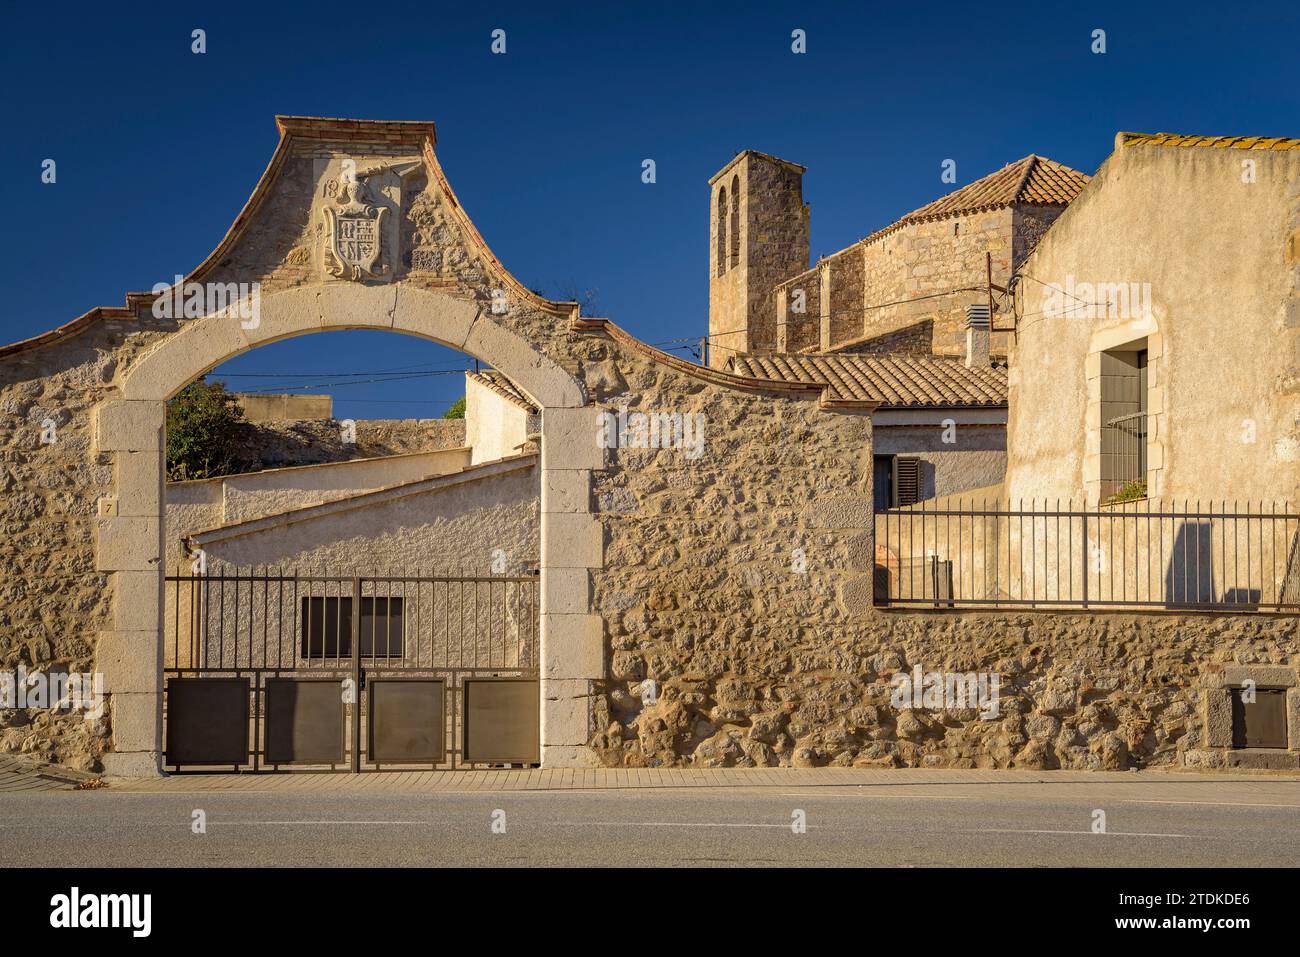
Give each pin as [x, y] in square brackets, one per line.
[1190, 573]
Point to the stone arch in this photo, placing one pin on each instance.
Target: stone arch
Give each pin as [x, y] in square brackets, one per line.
[129, 545]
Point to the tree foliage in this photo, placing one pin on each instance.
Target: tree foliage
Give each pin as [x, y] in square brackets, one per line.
[203, 423]
[457, 409]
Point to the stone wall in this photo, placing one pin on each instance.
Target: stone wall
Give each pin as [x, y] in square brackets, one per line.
[917, 339]
[799, 331]
[896, 282]
[1085, 692]
[846, 315]
[53, 598]
[284, 406]
[271, 445]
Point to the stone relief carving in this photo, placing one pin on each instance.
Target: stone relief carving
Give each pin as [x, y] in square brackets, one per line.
[353, 230]
[360, 214]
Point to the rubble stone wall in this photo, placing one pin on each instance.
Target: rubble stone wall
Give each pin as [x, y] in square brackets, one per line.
[1084, 692]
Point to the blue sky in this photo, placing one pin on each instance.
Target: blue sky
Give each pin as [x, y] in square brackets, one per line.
[158, 148]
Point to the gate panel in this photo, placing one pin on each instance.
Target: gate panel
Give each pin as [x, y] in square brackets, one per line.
[353, 671]
[502, 720]
[304, 721]
[406, 721]
[207, 721]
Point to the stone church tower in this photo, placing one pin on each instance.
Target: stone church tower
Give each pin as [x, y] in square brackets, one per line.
[758, 237]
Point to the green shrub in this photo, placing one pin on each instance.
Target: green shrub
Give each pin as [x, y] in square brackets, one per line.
[457, 410]
[1131, 492]
[203, 423]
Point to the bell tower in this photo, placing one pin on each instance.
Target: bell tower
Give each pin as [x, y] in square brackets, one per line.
[758, 237]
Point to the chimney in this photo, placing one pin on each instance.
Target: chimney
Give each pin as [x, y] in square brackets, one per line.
[977, 335]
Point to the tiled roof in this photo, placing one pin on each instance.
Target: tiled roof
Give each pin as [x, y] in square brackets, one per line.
[503, 387]
[896, 381]
[1214, 142]
[1032, 180]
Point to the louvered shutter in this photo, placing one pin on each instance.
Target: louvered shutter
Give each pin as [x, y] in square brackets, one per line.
[907, 480]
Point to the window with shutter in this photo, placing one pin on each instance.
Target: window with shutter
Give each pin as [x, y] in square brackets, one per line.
[907, 480]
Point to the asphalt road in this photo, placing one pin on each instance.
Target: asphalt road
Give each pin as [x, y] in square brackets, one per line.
[983, 825]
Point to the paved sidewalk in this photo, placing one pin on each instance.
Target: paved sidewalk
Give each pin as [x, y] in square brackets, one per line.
[19, 775]
[1187, 784]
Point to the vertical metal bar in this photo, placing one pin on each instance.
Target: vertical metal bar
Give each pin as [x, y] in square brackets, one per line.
[1187, 563]
[1017, 583]
[1147, 524]
[1160, 528]
[957, 573]
[257, 719]
[266, 611]
[1236, 549]
[234, 661]
[889, 584]
[997, 548]
[1272, 565]
[205, 586]
[912, 517]
[279, 615]
[176, 625]
[221, 621]
[1087, 558]
[984, 538]
[356, 674]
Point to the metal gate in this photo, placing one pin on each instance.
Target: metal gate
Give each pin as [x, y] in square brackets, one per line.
[281, 671]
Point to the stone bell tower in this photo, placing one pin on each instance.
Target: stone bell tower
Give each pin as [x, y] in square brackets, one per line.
[758, 237]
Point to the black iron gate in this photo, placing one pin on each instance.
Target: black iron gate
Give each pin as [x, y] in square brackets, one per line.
[281, 671]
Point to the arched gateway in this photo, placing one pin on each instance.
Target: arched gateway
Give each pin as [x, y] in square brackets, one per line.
[648, 548]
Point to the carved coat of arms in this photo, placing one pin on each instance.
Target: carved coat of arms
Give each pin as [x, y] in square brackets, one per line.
[352, 232]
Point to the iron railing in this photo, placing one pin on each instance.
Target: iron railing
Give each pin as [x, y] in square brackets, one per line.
[265, 625]
[1211, 556]
[1123, 453]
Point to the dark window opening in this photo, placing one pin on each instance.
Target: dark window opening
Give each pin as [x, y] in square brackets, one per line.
[327, 627]
[1260, 723]
[735, 220]
[722, 230]
[896, 481]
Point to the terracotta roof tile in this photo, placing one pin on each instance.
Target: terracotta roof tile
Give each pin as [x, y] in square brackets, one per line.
[895, 380]
[1034, 179]
[1213, 142]
[503, 387]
